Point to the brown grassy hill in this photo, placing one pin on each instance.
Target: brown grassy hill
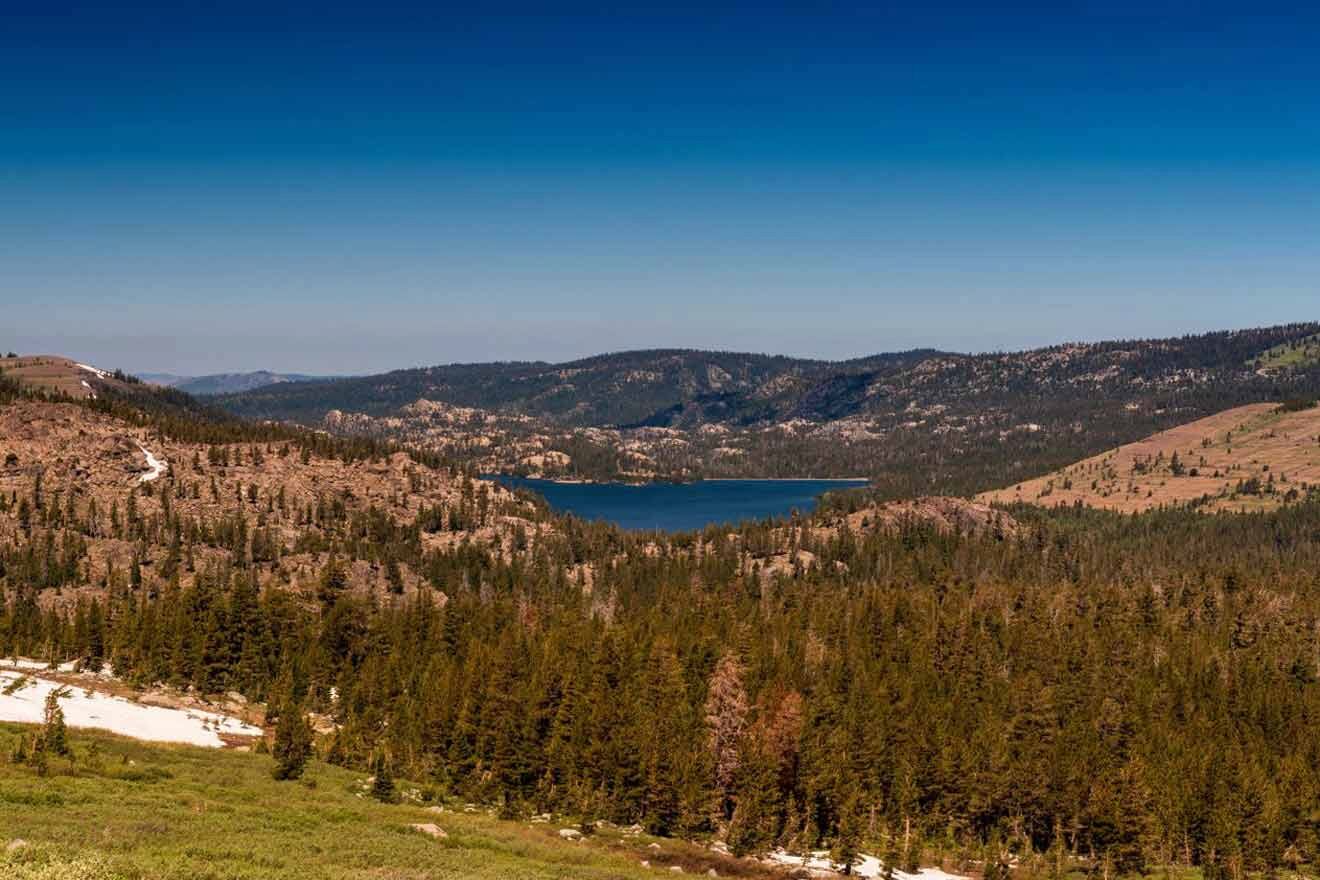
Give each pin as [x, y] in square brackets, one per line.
[60, 375]
[1254, 457]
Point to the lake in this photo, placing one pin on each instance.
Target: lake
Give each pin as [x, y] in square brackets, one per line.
[680, 506]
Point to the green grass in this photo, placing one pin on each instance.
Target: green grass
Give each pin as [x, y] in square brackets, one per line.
[173, 812]
[1302, 353]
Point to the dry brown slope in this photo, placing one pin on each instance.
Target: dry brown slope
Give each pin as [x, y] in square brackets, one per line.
[1253, 457]
[60, 375]
[88, 466]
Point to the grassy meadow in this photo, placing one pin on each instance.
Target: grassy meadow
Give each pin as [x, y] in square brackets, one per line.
[126, 809]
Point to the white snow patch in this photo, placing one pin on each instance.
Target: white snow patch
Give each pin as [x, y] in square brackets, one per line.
[85, 708]
[156, 466]
[86, 384]
[865, 866]
[101, 374]
[30, 665]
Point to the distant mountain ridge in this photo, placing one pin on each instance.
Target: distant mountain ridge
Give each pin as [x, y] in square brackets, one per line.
[915, 423]
[227, 383]
[632, 388]
[685, 388]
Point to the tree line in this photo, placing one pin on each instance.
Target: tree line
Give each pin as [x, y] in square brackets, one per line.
[1123, 691]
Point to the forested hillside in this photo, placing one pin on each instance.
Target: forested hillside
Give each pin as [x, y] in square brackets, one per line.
[915, 423]
[1129, 692]
[683, 388]
[1053, 688]
[630, 387]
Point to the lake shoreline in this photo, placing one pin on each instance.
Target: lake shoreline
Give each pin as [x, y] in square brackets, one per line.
[565, 481]
[682, 507]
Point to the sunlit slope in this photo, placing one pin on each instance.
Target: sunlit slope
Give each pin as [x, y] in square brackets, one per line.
[1294, 354]
[125, 810]
[1252, 457]
[60, 375]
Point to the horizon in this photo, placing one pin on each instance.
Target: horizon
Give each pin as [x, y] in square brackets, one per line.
[659, 349]
[339, 190]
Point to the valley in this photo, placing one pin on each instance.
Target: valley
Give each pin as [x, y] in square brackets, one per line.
[802, 441]
[913, 423]
[995, 682]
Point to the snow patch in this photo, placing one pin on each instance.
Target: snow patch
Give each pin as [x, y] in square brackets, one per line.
[101, 374]
[27, 664]
[86, 708]
[864, 866]
[155, 466]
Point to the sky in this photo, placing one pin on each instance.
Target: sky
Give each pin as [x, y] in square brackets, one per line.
[351, 188]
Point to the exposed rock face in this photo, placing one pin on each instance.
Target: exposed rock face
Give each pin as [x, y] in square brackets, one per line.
[948, 515]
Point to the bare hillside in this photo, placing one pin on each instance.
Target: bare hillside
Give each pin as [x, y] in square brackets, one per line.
[1252, 457]
[60, 375]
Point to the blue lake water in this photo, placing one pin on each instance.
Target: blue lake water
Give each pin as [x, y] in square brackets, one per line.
[681, 506]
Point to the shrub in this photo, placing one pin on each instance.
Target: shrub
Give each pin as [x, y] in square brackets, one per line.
[1296, 404]
[26, 863]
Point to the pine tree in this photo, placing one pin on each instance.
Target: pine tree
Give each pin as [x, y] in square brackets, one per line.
[752, 827]
[293, 743]
[663, 740]
[849, 836]
[382, 786]
[54, 735]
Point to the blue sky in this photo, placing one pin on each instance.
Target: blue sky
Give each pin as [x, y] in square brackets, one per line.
[351, 188]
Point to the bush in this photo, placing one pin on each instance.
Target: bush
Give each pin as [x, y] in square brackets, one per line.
[26, 863]
[1297, 404]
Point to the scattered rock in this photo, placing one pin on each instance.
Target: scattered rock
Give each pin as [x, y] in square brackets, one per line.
[16, 844]
[570, 834]
[429, 829]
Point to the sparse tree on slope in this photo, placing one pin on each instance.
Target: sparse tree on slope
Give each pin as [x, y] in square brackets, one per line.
[54, 734]
[293, 743]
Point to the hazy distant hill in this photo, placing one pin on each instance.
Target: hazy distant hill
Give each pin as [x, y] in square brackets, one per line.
[226, 383]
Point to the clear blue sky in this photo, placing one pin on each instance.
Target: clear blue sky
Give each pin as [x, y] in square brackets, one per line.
[335, 188]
